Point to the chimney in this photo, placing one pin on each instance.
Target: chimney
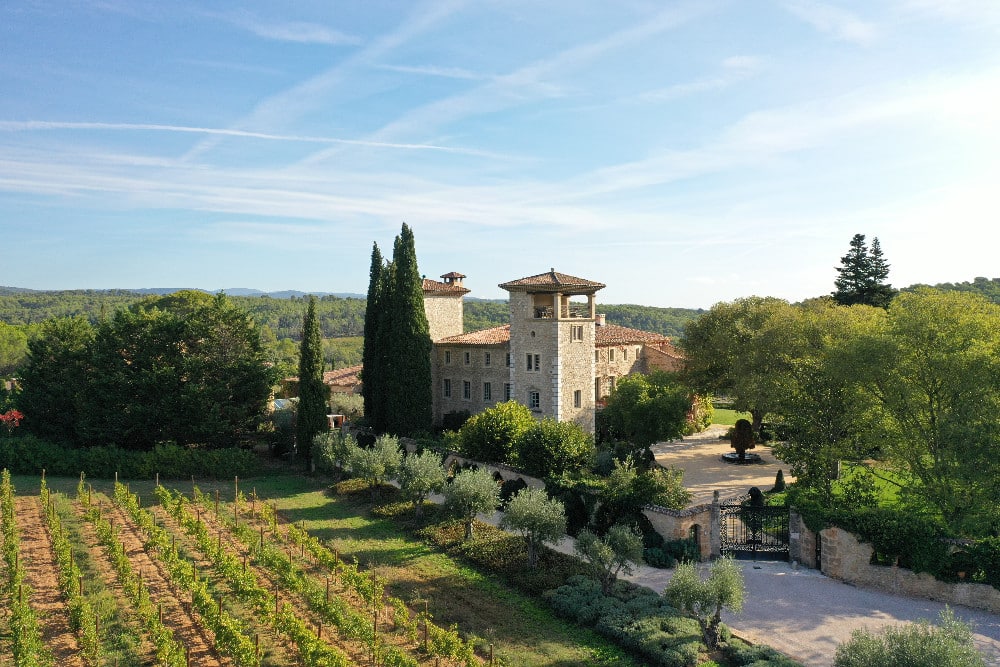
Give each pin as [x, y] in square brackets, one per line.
[601, 319]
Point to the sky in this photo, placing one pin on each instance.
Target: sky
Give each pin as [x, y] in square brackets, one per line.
[682, 153]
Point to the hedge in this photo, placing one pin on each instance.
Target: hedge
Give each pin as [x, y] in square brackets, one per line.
[29, 455]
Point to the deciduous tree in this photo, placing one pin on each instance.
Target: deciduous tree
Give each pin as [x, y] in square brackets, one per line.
[645, 409]
[492, 435]
[740, 350]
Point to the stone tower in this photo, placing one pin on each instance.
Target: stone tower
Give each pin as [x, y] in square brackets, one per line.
[443, 304]
[552, 338]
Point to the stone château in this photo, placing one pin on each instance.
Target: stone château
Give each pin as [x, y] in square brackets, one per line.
[557, 355]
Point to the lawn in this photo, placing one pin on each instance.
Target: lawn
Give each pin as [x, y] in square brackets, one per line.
[727, 416]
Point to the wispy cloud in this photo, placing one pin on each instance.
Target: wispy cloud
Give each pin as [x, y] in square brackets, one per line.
[535, 81]
[38, 125]
[431, 70]
[281, 109]
[734, 69]
[292, 31]
[833, 20]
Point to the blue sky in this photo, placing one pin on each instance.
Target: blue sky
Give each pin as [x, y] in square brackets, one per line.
[683, 153]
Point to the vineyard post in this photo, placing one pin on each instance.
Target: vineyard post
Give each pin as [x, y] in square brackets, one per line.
[81, 586]
[216, 502]
[20, 590]
[159, 611]
[90, 491]
[319, 629]
[116, 477]
[276, 600]
[157, 479]
[427, 617]
[244, 563]
[256, 645]
[220, 542]
[491, 654]
[187, 657]
[43, 474]
[220, 606]
[328, 590]
[81, 477]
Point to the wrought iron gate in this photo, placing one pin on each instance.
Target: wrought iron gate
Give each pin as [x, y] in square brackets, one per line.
[745, 529]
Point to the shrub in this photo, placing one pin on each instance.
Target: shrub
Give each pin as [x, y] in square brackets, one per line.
[490, 436]
[550, 447]
[28, 455]
[779, 482]
[948, 644]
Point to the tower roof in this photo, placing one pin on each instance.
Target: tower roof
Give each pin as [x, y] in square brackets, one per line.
[553, 281]
[436, 287]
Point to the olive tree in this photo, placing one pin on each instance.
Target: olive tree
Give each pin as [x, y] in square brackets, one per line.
[704, 599]
[472, 492]
[537, 517]
[611, 555]
[378, 464]
[421, 475]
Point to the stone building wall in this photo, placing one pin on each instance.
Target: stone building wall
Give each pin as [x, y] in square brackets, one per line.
[533, 336]
[444, 315]
[612, 362]
[475, 364]
[575, 375]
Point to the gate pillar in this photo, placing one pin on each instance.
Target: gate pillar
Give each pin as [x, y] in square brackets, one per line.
[715, 539]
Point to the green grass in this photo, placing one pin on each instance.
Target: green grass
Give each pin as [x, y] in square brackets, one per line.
[728, 417]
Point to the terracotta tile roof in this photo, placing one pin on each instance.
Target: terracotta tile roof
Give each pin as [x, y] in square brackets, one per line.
[612, 334]
[343, 376]
[552, 281]
[435, 287]
[454, 274]
[495, 336]
[669, 349]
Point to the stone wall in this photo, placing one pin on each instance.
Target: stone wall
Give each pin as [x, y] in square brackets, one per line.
[677, 524]
[573, 388]
[847, 559]
[801, 541]
[444, 315]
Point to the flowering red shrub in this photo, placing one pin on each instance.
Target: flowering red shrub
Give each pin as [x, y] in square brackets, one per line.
[11, 419]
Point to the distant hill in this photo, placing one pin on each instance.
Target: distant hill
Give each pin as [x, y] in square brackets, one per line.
[987, 287]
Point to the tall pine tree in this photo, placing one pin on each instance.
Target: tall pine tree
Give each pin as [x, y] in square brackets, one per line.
[862, 276]
[397, 364]
[313, 393]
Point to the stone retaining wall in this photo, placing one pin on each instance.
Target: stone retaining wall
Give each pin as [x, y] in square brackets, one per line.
[847, 559]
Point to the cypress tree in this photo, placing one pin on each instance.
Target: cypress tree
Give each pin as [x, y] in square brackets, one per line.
[409, 350]
[313, 394]
[371, 388]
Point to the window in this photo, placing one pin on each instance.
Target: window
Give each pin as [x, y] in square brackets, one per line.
[611, 354]
[534, 362]
[447, 356]
[446, 388]
[597, 356]
[487, 359]
[467, 390]
[534, 400]
[577, 332]
[611, 383]
[577, 398]
[625, 354]
[509, 362]
[506, 391]
[487, 391]
[468, 358]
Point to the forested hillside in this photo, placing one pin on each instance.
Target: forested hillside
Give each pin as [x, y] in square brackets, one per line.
[987, 287]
